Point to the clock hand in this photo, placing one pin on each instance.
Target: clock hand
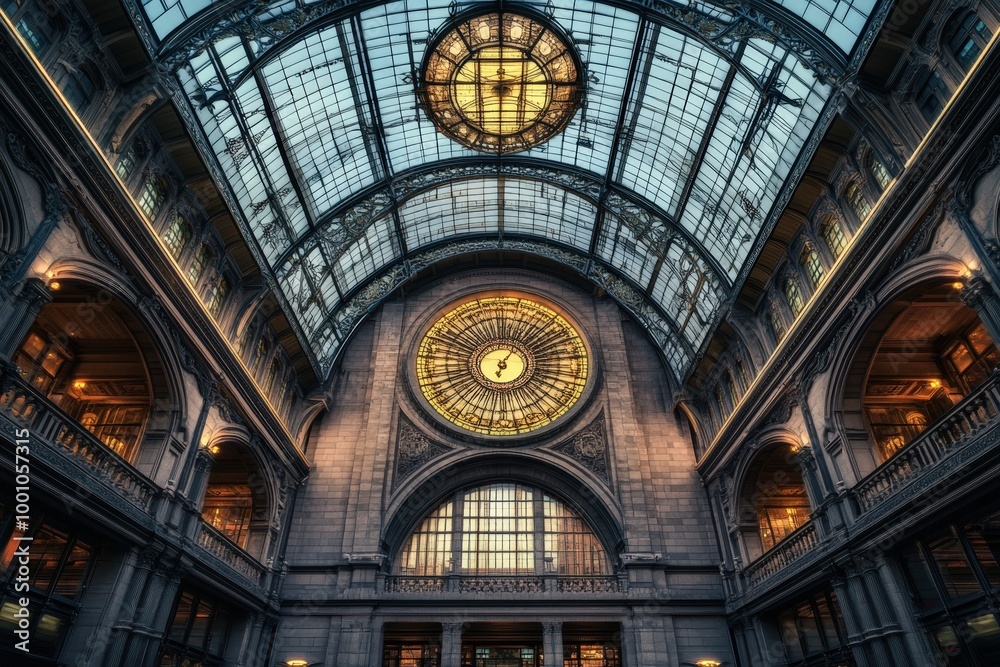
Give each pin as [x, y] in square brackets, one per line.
[502, 363]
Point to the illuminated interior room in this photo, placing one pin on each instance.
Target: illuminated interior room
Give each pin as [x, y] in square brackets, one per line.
[537, 333]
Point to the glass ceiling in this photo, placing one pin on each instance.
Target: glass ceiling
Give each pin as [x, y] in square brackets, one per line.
[695, 120]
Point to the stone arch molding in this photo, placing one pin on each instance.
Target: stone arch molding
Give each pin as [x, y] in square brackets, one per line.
[423, 492]
[770, 439]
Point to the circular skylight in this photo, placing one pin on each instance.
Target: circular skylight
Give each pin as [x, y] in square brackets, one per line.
[501, 82]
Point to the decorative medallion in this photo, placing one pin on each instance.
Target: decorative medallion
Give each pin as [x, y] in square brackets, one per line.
[502, 366]
[501, 82]
[589, 447]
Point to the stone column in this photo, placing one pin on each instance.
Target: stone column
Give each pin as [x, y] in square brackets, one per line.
[855, 633]
[552, 643]
[18, 311]
[981, 297]
[451, 644]
[899, 599]
[123, 627]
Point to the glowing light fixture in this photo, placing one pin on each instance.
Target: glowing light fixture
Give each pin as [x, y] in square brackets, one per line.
[501, 82]
[297, 662]
[54, 285]
[708, 663]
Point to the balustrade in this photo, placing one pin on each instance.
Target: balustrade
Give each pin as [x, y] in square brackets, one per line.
[219, 546]
[503, 584]
[956, 428]
[795, 546]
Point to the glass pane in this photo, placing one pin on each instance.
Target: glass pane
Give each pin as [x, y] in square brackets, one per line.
[951, 648]
[73, 571]
[925, 595]
[957, 574]
[983, 634]
[809, 629]
[202, 622]
[790, 635]
[46, 551]
[961, 357]
[178, 627]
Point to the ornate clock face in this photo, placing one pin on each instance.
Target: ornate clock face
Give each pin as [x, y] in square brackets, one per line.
[502, 366]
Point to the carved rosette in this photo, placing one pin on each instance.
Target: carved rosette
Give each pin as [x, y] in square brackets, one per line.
[589, 447]
[413, 450]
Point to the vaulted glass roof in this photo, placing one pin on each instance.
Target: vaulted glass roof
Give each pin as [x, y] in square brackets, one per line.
[696, 121]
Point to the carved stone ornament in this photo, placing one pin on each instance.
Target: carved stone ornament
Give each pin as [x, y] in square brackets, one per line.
[643, 558]
[589, 447]
[413, 449]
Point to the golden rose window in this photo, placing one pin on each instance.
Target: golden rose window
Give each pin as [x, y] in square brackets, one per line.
[502, 366]
[501, 82]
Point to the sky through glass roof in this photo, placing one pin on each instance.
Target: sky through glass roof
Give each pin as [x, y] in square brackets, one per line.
[694, 120]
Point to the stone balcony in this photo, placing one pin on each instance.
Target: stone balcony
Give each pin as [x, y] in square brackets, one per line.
[514, 584]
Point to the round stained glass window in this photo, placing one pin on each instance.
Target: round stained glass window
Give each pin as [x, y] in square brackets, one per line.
[502, 365]
[501, 82]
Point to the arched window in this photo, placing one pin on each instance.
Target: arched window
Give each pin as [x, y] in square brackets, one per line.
[855, 196]
[216, 297]
[126, 163]
[833, 234]
[177, 236]
[930, 93]
[152, 196]
[794, 296]
[503, 528]
[878, 171]
[36, 21]
[810, 261]
[78, 88]
[773, 499]
[198, 263]
[777, 322]
[968, 37]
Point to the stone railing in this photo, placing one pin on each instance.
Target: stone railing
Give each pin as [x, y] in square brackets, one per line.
[503, 584]
[784, 553]
[217, 544]
[948, 434]
[28, 408]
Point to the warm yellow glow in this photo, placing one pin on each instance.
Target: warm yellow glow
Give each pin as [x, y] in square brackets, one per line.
[819, 292]
[708, 663]
[79, 384]
[501, 90]
[500, 83]
[502, 365]
[296, 662]
[54, 285]
[213, 449]
[935, 384]
[957, 285]
[124, 192]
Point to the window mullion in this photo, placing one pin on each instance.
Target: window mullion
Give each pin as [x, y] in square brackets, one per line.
[539, 530]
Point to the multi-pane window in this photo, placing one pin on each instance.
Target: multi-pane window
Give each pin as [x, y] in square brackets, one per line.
[794, 296]
[177, 236]
[40, 360]
[61, 565]
[503, 528]
[228, 508]
[78, 88]
[775, 523]
[777, 322]
[812, 632]
[810, 261]
[118, 426]
[152, 196]
[35, 21]
[197, 634]
[857, 200]
[833, 234]
[198, 263]
[126, 163]
[217, 294]
[954, 578]
[930, 94]
[968, 40]
[973, 356]
[272, 374]
[720, 403]
[411, 654]
[878, 171]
